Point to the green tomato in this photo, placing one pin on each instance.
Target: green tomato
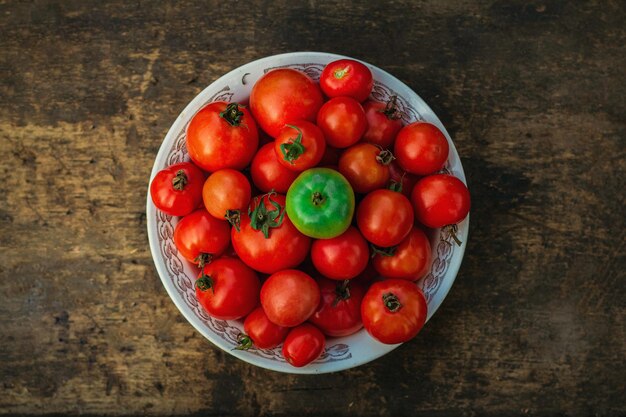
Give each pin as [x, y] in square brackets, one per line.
[320, 203]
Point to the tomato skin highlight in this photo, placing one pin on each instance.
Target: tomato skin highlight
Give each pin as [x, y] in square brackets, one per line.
[343, 121]
[382, 128]
[347, 77]
[264, 333]
[200, 233]
[177, 189]
[234, 289]
[440, 200]
[303, 345]
[342, 257]
[387, 326]
[411, 259]
[283, 96]
[421, 148]
[365, 167]
[385, 217]
[339, 311]
[213, 143]
[289, 297]
[225, 190]
[268, 173]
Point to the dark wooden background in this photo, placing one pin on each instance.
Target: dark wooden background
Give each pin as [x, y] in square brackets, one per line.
[533, 94]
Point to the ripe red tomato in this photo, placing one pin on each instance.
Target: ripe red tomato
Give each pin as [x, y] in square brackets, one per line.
[440, 200]
[177, 189]
[283, 96]
[289, 297]
[383, 122]
[343, 121]
[342, 257]
[393, 310]
[261, 332]
[226, 193]
[385, 217]
[267, 240]
[347, 77]
[339, 312]
[269, 174]
[409, 260]
[365, 166]
[421, 148]
[200, 236]
[300, 145]
[222, 135]
[303, 345]
[228, 289]
[400, 179]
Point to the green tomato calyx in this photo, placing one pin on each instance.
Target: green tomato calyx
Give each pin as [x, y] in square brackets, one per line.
[244, 342]
[180, 180]
[378, 250]
[233, 217]
[317, 198]
[342, 292]
[263, 219]
[205, 282]
[294, 148]
[385, 157]
[391, 302]
[339, 73]
[232, 114]
[391, 109]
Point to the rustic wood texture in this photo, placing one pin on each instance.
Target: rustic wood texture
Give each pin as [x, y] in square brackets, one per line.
[533, 95]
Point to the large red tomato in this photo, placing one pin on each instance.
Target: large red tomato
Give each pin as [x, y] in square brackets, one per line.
[269, 174]
[343, 121]
[177, 190]
[283, 96]
[200, 236]
[228, 289]
[347, 77]
[289, 297]
[366, 167]
[339, 311]
[421, 148]
[342, 257]
[222, 135]
[385, 217]
[409, 260]
[394, 310]
[383, 122]
[261, 332]
[267, 240]
[440, 200]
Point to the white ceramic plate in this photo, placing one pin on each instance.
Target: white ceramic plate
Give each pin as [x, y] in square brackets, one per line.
[178, 275]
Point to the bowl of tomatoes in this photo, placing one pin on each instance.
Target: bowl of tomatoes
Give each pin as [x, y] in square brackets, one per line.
[307, 212]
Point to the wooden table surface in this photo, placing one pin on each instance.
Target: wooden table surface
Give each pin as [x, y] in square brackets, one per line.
[532, 94]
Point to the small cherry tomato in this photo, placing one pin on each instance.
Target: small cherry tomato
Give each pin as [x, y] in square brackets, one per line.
[303, 345]
[342, 257]
[177, 189]
[339, 312]
[421, 148]
[343, 121]
[300, 145]
[222, 135]
[347, 77]
[289, 297]
[409, 260]
[383, 122]
[261, 332]
[268, 173]
[200, 237]
[385, 217]
[393, 311]
[228, 289]
[440, 200]
[366, 167]
[226, 193]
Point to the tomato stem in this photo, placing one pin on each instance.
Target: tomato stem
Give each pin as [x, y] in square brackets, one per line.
[232, 114]
[397, 185]
[180, 180]
[292, 150]
[263, 219]
[205, 282]
[341, 72]
[385, 157]
[244, 342]
[342, 292]
[452, 229]
[203, 259]
[391, 302]
[234, 218]
[391, 109]
[317, 198]
[379, 250]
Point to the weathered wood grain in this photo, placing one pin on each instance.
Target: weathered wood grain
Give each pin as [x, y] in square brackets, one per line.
[533, 95]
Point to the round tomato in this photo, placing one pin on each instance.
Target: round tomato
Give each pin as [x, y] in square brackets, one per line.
[421, 148]
[289, 297]
[268, 173]
[385, 217]
[222, 135]
[267, 240]
[200, 237]
[343, 121]
[303, 345]
[320, 203]
[366, 167]
[228, 289]
[400, 180]
[283, 96]
[440, 200]
[300, 145]
[177, 189]
[409, 260]
[393, 311]
[347, 77]
[225, 193]
[383, 122]
[341, 257]
[261, 332]
[339, 312]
